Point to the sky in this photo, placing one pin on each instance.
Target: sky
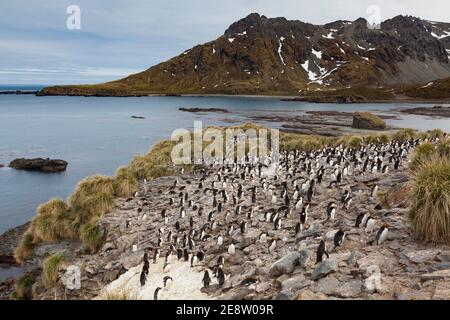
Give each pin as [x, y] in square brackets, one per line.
[119, 37]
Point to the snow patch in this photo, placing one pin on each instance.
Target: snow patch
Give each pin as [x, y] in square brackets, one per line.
[318, 54]
[280, 46]
[230, 40]
[328, 36]
[427, 85]
[445, 34]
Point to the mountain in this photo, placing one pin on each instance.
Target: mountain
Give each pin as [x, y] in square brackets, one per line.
[276, 56]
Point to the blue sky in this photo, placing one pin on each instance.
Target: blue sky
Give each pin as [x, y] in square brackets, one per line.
[119, 37]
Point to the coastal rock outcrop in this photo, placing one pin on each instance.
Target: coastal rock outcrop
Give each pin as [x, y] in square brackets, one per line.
[39, 164]
[367, 120]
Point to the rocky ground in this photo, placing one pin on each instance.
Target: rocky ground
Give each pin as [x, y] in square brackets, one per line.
[436, 111]
[399, 268]
[325, 123]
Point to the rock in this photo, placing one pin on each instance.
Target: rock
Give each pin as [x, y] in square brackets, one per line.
[285, 265]
[436, 275]
[367, 120]
[442, 291]
[39, 164]
[444, 256]
[295, 283]
[413, 295]
[262, 287]
[314, 230]
[422, 256]
[326, 285]
[323, 269]
[350, 289]
[376, 258]
[218, 110]
[283, 296]
[288, 263]
[310, 295]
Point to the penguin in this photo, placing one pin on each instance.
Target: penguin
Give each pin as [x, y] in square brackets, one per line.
[167, 281]
[331, 211]
[262, 237]
[156, 294]
[143, 278]
[179, 253]
[374, 191]
[156, 256]
[206, 279]
[220, 241]
[339, 238]
[361, 220]
[194, 260]
[298, 228]
[303, 216]
[220, 276]
[231, 249]
[321, 251]
[243, 227]
[277, 224]
[186, 255]
[272, 246]
[166, 267]
[370, 224]
[382, 234]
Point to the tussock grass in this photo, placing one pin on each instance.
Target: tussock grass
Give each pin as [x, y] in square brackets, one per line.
[423, 153]
[125, 183]
[443, 148]
[50, 269]
[435, 133]
[25, 247]
[91, 235]
[404, 134]
[23, 287]
[50, 221]
[430, 211]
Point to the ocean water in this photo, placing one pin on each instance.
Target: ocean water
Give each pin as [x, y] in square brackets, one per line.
[97, 135]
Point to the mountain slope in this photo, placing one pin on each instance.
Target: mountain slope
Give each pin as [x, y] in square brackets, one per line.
[258, 55]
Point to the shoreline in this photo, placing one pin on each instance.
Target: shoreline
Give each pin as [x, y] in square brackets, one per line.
[288, 98]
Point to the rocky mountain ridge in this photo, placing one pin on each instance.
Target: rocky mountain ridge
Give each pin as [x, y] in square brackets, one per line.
[260, 55]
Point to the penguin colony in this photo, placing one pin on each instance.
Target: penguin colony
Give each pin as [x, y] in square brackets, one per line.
[203, 218]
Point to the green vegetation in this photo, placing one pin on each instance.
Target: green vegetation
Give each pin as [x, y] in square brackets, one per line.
[25, 247]
[23, 287]
[423, 153]
[50, 269]
[430, 210]
[91, 235]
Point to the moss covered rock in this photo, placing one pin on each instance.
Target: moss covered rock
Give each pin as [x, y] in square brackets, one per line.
[367, 120]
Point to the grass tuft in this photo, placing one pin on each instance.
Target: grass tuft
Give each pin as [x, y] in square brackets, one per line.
[23, 287]
[50, 269]
[430, 210]
[91, 235]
